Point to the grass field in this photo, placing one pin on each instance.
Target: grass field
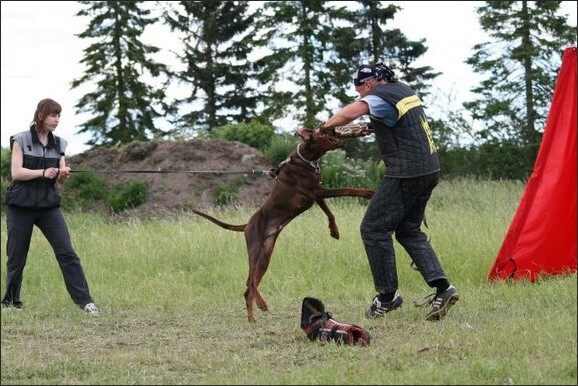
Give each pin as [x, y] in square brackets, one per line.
[170, 292]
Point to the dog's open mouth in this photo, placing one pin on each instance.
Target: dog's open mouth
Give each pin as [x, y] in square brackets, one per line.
[336, 143]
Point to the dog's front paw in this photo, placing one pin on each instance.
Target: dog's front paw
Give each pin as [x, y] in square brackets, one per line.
[334, 232]
[369, 193]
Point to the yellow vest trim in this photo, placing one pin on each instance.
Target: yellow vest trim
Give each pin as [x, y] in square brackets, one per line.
[406, 104]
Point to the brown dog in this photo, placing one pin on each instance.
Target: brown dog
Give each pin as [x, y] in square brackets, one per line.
[296, 189]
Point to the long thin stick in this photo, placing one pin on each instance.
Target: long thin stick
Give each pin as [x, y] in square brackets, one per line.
[253, 171]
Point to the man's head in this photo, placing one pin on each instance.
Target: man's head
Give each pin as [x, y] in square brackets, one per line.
[364, 73]
[367, 76]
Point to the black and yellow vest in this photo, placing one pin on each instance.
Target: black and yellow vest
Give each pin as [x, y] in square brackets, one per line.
[407, 148]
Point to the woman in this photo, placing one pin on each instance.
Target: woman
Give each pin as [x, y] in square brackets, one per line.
[37, 164]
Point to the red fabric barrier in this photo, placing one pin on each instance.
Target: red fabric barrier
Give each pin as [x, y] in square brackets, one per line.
[542, 237]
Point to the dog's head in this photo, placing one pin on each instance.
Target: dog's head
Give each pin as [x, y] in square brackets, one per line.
[319, 141]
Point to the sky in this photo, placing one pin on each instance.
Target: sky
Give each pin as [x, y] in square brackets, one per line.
[40, 55]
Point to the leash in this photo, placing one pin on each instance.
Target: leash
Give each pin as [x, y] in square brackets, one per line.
[253, 171]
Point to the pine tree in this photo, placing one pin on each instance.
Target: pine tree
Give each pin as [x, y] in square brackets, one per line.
[124, 105]
[375, 43]
[297, 36]
[522, 62]
[315, 47]
[216, 44]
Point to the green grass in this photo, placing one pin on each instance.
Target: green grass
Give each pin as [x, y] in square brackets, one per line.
[170, 293]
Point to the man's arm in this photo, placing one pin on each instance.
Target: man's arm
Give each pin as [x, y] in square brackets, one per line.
[347, 114]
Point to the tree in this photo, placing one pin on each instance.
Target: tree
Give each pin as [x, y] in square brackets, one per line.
[314, 46]
[522, 61]
[123, 106]
[378, 44]
[297, 40]
[216, 37]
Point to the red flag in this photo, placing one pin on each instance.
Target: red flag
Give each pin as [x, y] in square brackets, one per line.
[542, 237]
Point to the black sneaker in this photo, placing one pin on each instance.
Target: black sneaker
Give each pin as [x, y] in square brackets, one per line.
[379, 309]
[441, 303]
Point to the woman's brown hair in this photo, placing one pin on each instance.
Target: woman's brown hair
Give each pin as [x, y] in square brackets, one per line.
[45, 107]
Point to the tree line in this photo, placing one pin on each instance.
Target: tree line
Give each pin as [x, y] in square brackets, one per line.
[251, 63]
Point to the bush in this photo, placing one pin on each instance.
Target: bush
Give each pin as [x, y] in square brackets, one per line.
[5, 155]
[82, 189]
[337, 170]
[123, 197]
[254, 134]
[223, 194]
[280, 147]
[499, 161]
[5, 160]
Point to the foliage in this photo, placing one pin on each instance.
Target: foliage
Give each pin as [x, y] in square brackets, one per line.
[5, 160]
[314, 43]
[82, 189]
[368, 41]
[502, 161]
[240, 61]
[247, 61]
[280, 147]
[255, 134]
[364, 148]
[224, 194]
[124, 105]
[521, 63]
[247, 64]
[216, 38]
[170, 292]
[127, 196]
[339, 171]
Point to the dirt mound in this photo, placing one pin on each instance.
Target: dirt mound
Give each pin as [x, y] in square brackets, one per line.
[183, 175]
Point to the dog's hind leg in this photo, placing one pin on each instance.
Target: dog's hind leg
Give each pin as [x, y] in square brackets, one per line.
[259, 258]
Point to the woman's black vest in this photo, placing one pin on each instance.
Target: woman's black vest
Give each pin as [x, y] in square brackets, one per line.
[407, 148]
[38, 193]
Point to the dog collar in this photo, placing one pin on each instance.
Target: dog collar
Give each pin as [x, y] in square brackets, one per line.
[314, 165]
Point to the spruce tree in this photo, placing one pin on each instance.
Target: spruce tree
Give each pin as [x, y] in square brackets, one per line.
[298, 40]
[376, 43]
[521, 63]
[315, 46]
[216, 38]
[125, 103]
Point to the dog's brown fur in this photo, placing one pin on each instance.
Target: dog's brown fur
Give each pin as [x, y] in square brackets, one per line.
[296, 189]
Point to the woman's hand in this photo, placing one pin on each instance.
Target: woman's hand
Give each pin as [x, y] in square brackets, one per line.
[63, 173]
[50, 173]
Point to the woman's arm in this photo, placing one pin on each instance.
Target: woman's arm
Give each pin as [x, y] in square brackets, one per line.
[17, 169]
[64, 171]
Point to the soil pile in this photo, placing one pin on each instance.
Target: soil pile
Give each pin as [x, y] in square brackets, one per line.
[183, 174]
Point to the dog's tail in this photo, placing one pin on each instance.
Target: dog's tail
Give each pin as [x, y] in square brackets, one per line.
[236, 228]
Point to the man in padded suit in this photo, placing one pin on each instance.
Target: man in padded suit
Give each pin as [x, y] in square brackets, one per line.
[398, 206]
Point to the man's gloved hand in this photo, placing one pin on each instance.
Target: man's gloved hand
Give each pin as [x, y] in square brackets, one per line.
[353, 130]
[321, 127]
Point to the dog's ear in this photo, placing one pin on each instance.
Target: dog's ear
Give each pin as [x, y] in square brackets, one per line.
[304, 133]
